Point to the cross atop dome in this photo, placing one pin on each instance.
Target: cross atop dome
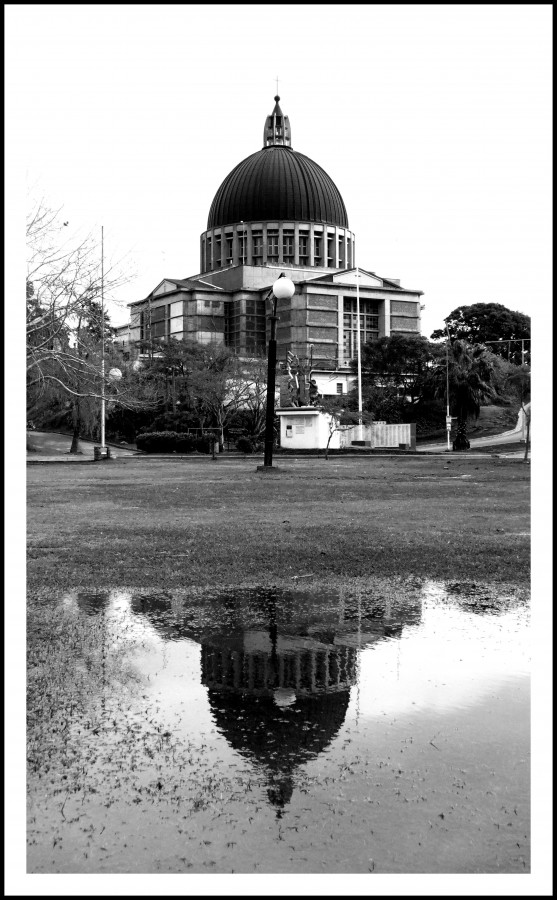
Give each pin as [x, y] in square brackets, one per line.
[277, 128]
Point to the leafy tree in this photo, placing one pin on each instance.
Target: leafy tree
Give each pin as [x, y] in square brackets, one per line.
[169, 366]
[472, 374]
[400, 362]
[396, 380]
[487, 323]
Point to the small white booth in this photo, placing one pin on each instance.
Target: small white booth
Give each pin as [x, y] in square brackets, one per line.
[306, 428]
[309, 428]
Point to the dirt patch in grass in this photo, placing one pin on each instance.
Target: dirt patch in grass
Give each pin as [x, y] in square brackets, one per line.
[176, 523]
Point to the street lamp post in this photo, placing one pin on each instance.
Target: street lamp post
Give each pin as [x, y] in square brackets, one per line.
[448, 419]
[283, 289]
[359, 355]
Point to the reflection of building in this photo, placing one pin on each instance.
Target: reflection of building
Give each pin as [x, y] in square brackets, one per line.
[279, 666]
[278, 211]
[305, 671]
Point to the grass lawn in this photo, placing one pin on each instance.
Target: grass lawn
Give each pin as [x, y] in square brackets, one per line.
[172, 523]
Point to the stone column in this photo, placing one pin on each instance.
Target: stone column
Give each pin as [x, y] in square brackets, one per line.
[264, 230]
[386, 318]
[340, 326]
[249, 246]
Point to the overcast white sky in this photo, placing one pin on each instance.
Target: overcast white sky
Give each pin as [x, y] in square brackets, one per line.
[434, 122]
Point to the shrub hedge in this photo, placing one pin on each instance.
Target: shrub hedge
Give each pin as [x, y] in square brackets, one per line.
[244, 445]
[172, 442]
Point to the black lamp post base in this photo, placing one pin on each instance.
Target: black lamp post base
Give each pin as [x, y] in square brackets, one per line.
[270, 469]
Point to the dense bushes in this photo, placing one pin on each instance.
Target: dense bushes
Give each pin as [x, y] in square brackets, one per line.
[172, 442]
[244, 445]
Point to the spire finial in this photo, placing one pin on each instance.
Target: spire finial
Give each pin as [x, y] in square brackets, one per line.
[277, 127]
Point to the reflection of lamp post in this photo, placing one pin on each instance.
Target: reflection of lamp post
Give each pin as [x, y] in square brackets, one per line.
[283, 289]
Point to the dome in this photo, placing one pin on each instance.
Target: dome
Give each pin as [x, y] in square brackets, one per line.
[277, 184]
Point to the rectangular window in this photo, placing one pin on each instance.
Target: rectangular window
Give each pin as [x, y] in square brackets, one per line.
[369, 324]
[317, 260]
[288, 246]
[229, 240]
[257, 238]
[272, 246]
[339, 387]
[341, 253]
[208, 254]
[158, 314]
[303, 247]
[158, 329]
[218, 246]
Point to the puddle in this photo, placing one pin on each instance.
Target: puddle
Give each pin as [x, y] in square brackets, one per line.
[362, 729]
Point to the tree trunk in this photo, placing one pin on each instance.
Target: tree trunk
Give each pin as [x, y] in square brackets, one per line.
[76, 409]
[527, 447]
[76, 427]
[461, 441]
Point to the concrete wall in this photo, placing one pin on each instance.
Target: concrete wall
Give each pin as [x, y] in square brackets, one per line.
[380, 435]
[393, 435]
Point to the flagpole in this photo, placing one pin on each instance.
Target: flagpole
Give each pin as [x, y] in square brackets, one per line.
[103, 444]
[359, 355]
[448, 418]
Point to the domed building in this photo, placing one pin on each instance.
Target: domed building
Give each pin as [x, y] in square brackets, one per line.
[279, 211]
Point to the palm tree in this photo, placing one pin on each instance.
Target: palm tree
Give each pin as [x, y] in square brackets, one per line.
[472, 377]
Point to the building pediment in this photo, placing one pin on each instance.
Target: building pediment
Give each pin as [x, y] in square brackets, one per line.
[365, 279]
[164, 287]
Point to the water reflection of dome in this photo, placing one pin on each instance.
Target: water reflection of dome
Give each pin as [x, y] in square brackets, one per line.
[278, 665]
[280, 740]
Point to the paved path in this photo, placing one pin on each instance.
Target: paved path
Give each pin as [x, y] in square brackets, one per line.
[507, 437]
[56, 448]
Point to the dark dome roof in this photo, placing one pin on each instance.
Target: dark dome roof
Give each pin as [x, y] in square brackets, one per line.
[277, 183]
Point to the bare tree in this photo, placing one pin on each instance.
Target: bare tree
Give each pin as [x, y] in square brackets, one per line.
[341, 419]
[220, 386]
[67, 330]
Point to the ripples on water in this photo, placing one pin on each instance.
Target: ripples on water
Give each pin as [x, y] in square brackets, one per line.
[353, 730]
